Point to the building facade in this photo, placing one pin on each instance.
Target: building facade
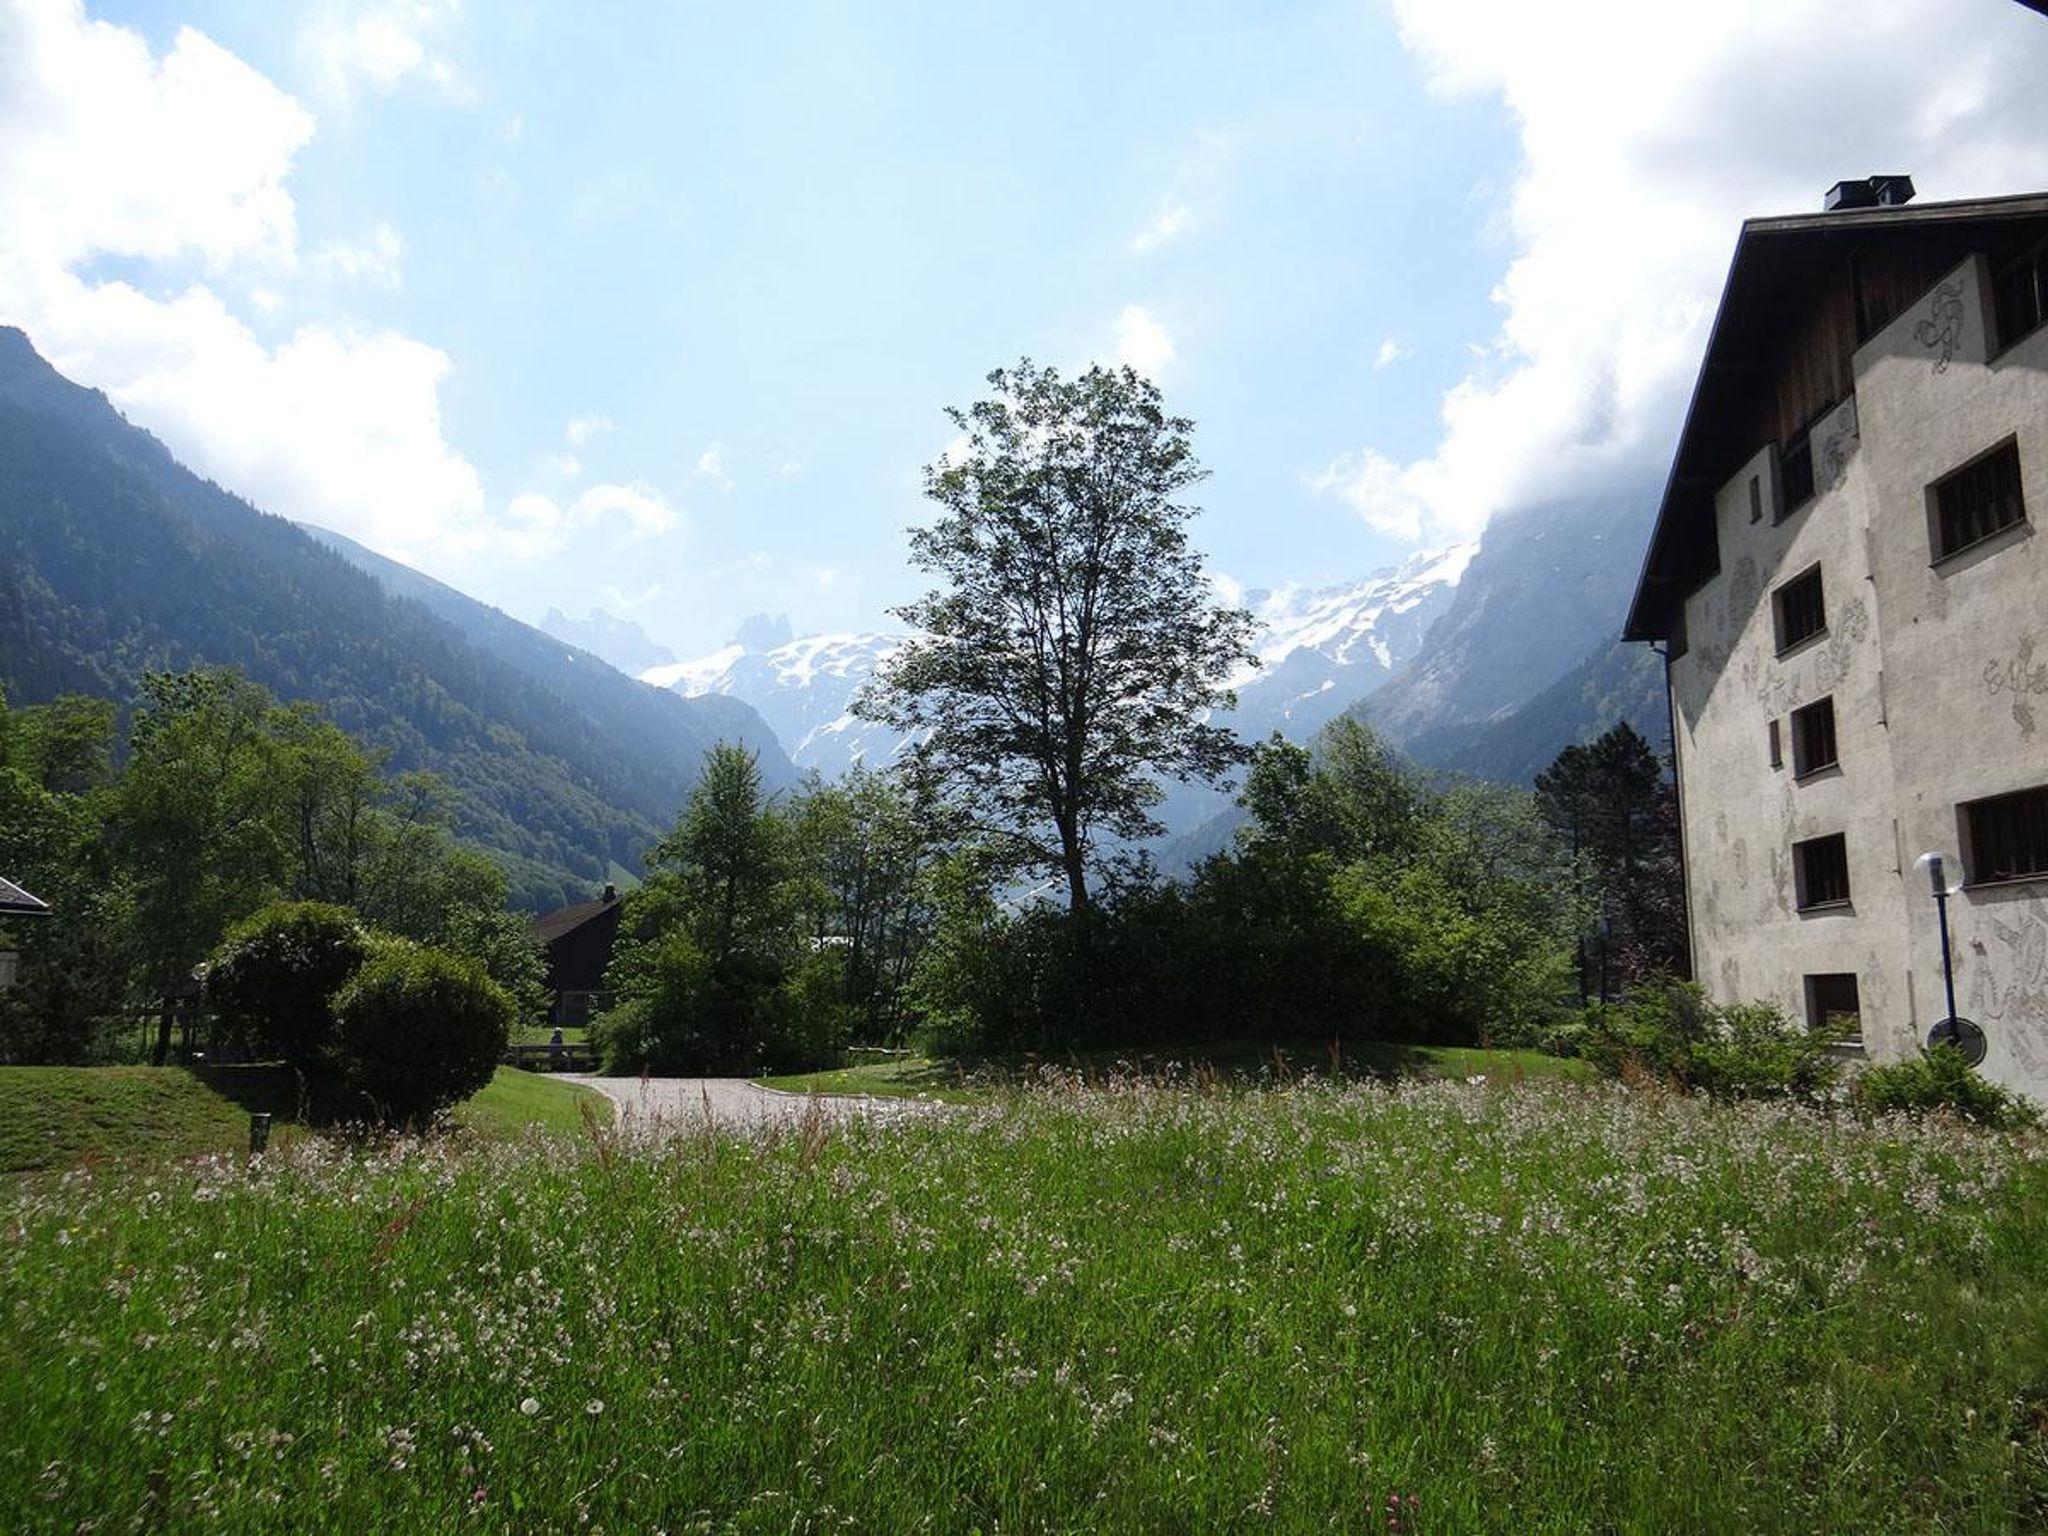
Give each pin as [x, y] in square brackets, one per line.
[1850, 588]
[578, 942]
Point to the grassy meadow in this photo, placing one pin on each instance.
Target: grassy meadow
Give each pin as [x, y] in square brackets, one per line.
[1425, 1306]
[58, 1117]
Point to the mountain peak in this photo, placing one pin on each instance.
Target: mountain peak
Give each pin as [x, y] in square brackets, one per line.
[763, 632]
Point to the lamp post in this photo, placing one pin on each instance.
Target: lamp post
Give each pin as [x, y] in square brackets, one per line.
[1953, 1030]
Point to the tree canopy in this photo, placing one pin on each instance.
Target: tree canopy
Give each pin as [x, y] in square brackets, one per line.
[1072, 652]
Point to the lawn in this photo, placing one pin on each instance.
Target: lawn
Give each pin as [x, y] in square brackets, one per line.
[58, 1117]
[1423, 1306]
[1242, 1062]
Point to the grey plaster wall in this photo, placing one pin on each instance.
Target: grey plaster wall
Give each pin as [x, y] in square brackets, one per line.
[1939, 674]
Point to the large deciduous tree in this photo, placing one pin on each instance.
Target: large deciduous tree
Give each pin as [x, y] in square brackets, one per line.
[1072, 652]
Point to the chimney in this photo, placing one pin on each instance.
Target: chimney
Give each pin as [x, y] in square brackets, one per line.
[611, 893]
[1870, 192]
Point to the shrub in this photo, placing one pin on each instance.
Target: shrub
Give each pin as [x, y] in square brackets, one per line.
[274, 978]
[1940, 1079]
[679, 1012]
[419, 1030]
[1670, 1031]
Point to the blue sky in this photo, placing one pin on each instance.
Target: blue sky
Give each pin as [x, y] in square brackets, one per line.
[656, 309]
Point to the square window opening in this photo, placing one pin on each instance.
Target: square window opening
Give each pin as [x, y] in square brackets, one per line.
[2006, 837]
[1978, 500]
[1820, 869]
[1813, 738]
[1800, 608]
[1832, 1008]
[2019, 295]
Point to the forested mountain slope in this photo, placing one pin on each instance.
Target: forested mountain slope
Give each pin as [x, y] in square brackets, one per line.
[114, 560]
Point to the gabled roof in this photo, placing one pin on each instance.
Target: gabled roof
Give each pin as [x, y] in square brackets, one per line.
[15, 902]
[564, 920]
[1776, 261]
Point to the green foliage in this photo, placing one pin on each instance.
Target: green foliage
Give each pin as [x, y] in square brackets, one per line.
[274, 978]
[714, 972]
[1072, 654]
[1940, 1080]
[417, 1031]
[1668, 1031]
[1617, 814]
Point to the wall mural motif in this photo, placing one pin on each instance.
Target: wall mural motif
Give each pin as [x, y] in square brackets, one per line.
[2021, 678]
[2011, 994]
[1838, 445]
[1942, 331]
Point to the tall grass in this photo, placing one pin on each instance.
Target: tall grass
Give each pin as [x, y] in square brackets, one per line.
[1427, 1307]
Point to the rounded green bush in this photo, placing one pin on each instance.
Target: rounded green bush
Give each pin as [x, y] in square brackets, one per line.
[419, 1030]
[1940, 1080]
[274, 977]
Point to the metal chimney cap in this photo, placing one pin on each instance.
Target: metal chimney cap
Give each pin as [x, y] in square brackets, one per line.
[1868, 192]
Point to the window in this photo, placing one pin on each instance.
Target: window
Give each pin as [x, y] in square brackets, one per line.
[1795, 475]
[1777, 747]
[2020, 295]
[2006, 838]
[1978, 500]
[1831, 1005]
[1756, 499]
[1821, 870]
[1801, 611]
[1813, 738]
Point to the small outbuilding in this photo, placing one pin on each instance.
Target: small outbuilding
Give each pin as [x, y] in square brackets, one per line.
[578, 941]
[15, 903]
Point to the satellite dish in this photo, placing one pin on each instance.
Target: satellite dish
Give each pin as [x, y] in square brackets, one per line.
[1963, 1036]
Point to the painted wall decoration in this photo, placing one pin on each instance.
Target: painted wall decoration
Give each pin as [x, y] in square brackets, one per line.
[2020, 678]
[1942, 331]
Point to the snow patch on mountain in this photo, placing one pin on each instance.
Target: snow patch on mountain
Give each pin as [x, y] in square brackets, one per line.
[1320, 650]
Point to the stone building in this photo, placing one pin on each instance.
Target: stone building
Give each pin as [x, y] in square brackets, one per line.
[1848, 586]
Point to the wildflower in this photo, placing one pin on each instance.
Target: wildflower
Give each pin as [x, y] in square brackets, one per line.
[529, 1406]
[594, 1407]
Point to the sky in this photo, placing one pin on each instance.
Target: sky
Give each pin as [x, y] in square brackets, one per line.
[657, 308]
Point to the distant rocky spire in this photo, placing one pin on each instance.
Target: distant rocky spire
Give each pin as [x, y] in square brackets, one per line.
[764, 632]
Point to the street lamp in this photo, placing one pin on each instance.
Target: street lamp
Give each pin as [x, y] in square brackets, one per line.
[1953, 1030]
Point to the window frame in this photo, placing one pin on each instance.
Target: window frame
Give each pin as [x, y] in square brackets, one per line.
[2034, 261]
[1937, 519]
[1816, 1016]
[1801, 876]
[1778, 596]
[1969, 837]
[1798, 448]
[1802, 767]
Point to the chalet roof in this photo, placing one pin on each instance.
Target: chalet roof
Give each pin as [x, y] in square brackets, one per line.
[564, 920]
[15, 902]
[1779, 262]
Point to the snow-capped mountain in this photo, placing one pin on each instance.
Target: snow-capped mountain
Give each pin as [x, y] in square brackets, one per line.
[803, 688]
[1319, 651]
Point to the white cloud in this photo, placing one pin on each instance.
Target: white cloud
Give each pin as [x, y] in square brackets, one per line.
[619, 597]
[1389, 497]
[1392, 350]
[378, 46]
[581, 429]
[538, 524]
[1142, 341]
[1647, 133]
[711, 466]
[183, 160]
[375, 258]
[1170, 223]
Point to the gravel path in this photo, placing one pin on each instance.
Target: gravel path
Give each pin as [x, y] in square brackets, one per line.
[660, 1106]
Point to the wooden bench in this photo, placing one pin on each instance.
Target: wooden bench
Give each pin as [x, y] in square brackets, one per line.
[569, 1056]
